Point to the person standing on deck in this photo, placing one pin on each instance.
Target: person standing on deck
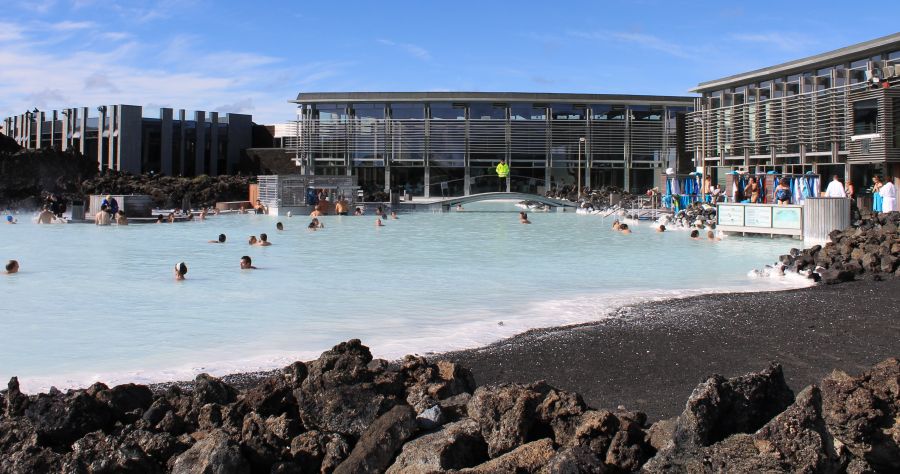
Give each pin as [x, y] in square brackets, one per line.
[835, 188]
[888, 194]
[503, 174]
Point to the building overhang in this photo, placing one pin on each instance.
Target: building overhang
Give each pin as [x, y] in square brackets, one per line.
[804, 64]
[500, 97]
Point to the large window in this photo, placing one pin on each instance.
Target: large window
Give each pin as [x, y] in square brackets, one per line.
[368, 111]
[765, 90]
[444, 111]
[645, 113]
[865, 117]
[527, 112]
[568, 112]
[792, 86]
[487, 111]
[823, 79]
[407, 111]
[858, 71]
[331, 112]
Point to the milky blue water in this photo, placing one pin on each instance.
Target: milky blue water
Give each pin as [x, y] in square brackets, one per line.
[100, 303]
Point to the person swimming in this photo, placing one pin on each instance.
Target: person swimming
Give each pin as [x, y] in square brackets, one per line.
[695, 234]
[252, 240]
[358, 211]
[616, 224]
[263, 240]
[121, 219]
[102, 217]
[10, 220]
[523, 218]
[45, 217]
[711, 235]
[314, 224]
[180, 271]
[661, 228]
[247, 263]
[159, 218]
[378, 222]
[459, 207]
[220, 241]
[12, 267]
[279, 226]
[623, 228]
[394, 215]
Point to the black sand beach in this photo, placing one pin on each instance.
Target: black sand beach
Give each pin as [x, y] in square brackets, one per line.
[649, 358]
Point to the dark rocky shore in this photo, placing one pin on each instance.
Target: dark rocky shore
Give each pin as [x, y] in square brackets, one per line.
[347, 413]
[650, 357]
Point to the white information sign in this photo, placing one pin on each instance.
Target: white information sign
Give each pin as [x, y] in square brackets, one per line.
[786, 218]
[758, 216]
[730, 215]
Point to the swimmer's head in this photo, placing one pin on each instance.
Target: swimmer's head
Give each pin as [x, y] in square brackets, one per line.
[9, 218]
[695, 233]
[221, 238]
[661, 228]
[279, 226]
[12, 266]
[246, 262]
[710, 235]
[181, 269]
[263, 237]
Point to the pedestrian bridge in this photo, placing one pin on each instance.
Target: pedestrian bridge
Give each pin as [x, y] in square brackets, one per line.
[448, 203]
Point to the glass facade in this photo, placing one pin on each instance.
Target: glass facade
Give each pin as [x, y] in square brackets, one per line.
[451, 148]
[800, 119]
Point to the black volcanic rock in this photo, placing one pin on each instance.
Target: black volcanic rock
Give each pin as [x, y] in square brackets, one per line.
[346, 412]
[341, 394]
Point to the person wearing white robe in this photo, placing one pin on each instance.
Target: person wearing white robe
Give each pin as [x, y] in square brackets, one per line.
[888, 196]
[835, 189]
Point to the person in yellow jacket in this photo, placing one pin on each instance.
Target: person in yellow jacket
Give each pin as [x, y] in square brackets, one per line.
[503, 173]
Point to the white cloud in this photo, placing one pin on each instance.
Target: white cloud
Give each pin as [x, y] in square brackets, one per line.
[411, 49]
[72, 25]
[49, 72]
[115, 35]
[37, 6]
[784, 41]
[639, 39]
[10, 32]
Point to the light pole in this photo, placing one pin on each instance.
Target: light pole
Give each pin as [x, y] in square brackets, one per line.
[580, 142]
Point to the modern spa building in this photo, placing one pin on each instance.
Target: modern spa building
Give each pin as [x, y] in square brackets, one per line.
[120, 137]
[449, 143]
[833, 113]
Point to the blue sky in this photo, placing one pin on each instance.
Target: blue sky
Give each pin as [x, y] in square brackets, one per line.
[254, 56]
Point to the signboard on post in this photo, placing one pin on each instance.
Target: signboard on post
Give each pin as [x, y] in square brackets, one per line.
[787, 218]
[761, 218]
[758, 216]
[729, 214]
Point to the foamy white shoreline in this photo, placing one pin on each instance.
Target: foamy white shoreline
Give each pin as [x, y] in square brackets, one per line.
[490, 328]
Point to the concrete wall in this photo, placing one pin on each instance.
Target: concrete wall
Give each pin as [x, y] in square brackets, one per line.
[239, 139]
[128, 138]
[120, 137]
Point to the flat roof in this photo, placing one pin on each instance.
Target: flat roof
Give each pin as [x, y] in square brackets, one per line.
[628, 99]
[799, 65]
